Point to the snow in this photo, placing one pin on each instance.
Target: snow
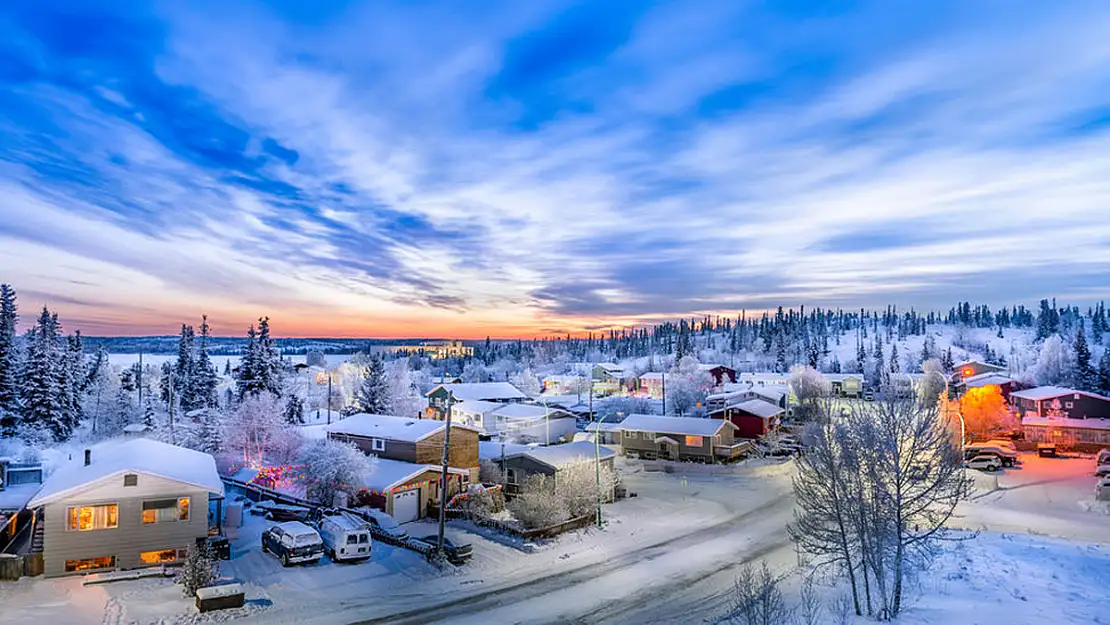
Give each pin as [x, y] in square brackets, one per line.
[605, 426]
[388, 474]
[987, 379]
[559, 456]
[16, 497]
[525, 411]
[759, 408]
[476, 406]
[1051, 392]
[138, 455]
[388, 427]
[483, 390]
[690, 426]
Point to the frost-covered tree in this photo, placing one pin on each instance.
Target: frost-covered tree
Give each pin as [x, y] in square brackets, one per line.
[201, 569]
[404, 391]
[331, 466]
[373, 395]
[687, 387]
[42, 376]
[315, 358]
[258, 431]
[204, 378]
[985, 412]
[1055, 363]
[1104, 372]
[808, 386]
[757, 598]
[260, 370]
[526, 380]
[9, 364]
[185, 369]
[933, 383]
[100, 386]
[211, 439]
[73, 378]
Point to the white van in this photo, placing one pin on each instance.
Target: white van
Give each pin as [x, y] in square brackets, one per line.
[346, 537]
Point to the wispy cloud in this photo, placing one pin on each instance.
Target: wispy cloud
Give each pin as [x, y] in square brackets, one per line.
[416, 168]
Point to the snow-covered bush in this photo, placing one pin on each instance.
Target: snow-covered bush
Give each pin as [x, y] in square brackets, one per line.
[330, 466]
[259, 432]
[536, 506]
[809, 386]
[1056, 363]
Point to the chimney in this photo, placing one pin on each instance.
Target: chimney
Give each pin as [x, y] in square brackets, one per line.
[88, 457]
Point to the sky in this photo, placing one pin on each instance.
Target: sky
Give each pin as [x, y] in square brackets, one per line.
[512, 169]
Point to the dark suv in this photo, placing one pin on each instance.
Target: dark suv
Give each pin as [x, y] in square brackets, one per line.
[293, 542]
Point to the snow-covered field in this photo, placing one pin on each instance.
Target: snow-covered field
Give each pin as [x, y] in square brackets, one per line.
[668, 555]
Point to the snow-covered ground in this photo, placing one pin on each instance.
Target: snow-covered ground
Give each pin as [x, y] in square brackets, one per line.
[668, 555]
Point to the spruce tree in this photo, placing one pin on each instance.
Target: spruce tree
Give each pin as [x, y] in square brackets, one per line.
[373, 394]
[895, 365]
[1085, 375]
[247, 381]
[73, 379]
[185, 370]
[9, 364]
[41, 392]
[294, 410]
[1104, 373]
[204, 379]
[269, 360]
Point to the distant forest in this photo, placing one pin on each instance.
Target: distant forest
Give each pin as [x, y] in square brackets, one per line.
[234, 345]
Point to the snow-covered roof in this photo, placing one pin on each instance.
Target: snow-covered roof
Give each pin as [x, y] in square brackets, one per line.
[987, 379]
[138, 455]
[567, 454]
[691, 426]
[488, 450]
[14, 498]
[652, 375]
[477, 406]
[711, 365]
[840, 377]
[1051, 392]
[1084, 424]
[612, 367]
[726, 395]
[482, 390]
[135, 428]
[604, 426]
[528, 411]
[759, 408]
[388, 474]
[389, 427]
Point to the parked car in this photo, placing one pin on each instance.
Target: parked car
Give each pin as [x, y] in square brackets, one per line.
[293, 542]
[868, 396]
[346, 537]
[456, 554]
[1046, 450]
[1005, 456]
[1102, 470]
[1102, 489]
[1103, 457]
[984, 462]
[383, 526]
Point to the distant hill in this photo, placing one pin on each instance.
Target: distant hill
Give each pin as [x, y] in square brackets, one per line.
[232, 346]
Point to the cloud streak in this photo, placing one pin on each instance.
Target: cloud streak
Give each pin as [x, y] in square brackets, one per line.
[358, 171]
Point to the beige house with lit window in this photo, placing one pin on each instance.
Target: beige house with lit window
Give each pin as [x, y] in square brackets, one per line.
[125, 505]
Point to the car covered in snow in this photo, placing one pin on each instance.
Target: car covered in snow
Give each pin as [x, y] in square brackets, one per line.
[1103, 457]
[456, 554]
[1007, 456]
[383, 526]
[1102, 470]
[293, 542]
[984, 462]
[1102, 489]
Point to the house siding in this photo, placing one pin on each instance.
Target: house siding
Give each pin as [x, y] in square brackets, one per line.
[462, 455]
[131, 537]
[1083, 406]
[634, 443]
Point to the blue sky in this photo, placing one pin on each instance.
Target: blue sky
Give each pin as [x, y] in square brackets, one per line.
[416, 168]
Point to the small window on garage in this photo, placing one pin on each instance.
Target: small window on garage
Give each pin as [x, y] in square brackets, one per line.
[379, 444]
[130, 480]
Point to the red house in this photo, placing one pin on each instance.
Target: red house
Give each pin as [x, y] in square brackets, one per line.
[721, 374]
[753, 418]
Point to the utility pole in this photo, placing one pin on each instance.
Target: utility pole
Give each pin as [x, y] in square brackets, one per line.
[140, 380]
[663, 379]
[329, 397]
[597, 454]
[443, 477]
[173, 439]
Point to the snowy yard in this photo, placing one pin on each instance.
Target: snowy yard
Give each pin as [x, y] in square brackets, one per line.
[668, 555]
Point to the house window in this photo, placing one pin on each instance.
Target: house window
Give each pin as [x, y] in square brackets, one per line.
[511, 476]
[628, 434]
[379, 444]
[85, 518]
[1069, 405]
[161, 556]
[166, 510]
[106, 562]
[647, 436]
[693, 441]
[130, 480]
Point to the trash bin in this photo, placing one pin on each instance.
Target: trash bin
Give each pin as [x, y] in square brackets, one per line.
[219, 547]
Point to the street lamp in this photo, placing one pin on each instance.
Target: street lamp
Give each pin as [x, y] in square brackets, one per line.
[443, 477]
[948, 414]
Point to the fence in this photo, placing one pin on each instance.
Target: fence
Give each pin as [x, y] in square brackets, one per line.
[542, 532]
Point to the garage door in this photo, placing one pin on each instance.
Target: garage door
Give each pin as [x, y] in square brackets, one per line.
[406, 506]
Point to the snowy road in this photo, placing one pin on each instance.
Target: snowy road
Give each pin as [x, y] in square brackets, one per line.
[671, 578]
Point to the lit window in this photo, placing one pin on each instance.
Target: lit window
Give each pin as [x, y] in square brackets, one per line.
[166, 510]
[85, 518]
[73, 566]
[693, 441]
[158, 557]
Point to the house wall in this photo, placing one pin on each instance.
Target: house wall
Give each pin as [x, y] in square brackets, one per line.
[747, 424]
[1082, 406]
[462, 455]
[643, 443]
[1088, 440]
[131, 537]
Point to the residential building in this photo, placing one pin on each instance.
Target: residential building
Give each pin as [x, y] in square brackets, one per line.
[416, 441]
[680, 438]
[1006, 385]
[1067, 417]
[652, 384]
[609, 379]
[974, 367]
[553, 461]
[753, 417]
[530, 423]
[566, 385]
[721, 374]
[499, 392]
[125, 505]
[845, 384]
[19, 482]
[436, 350]
[405, 490]
[608, 431]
